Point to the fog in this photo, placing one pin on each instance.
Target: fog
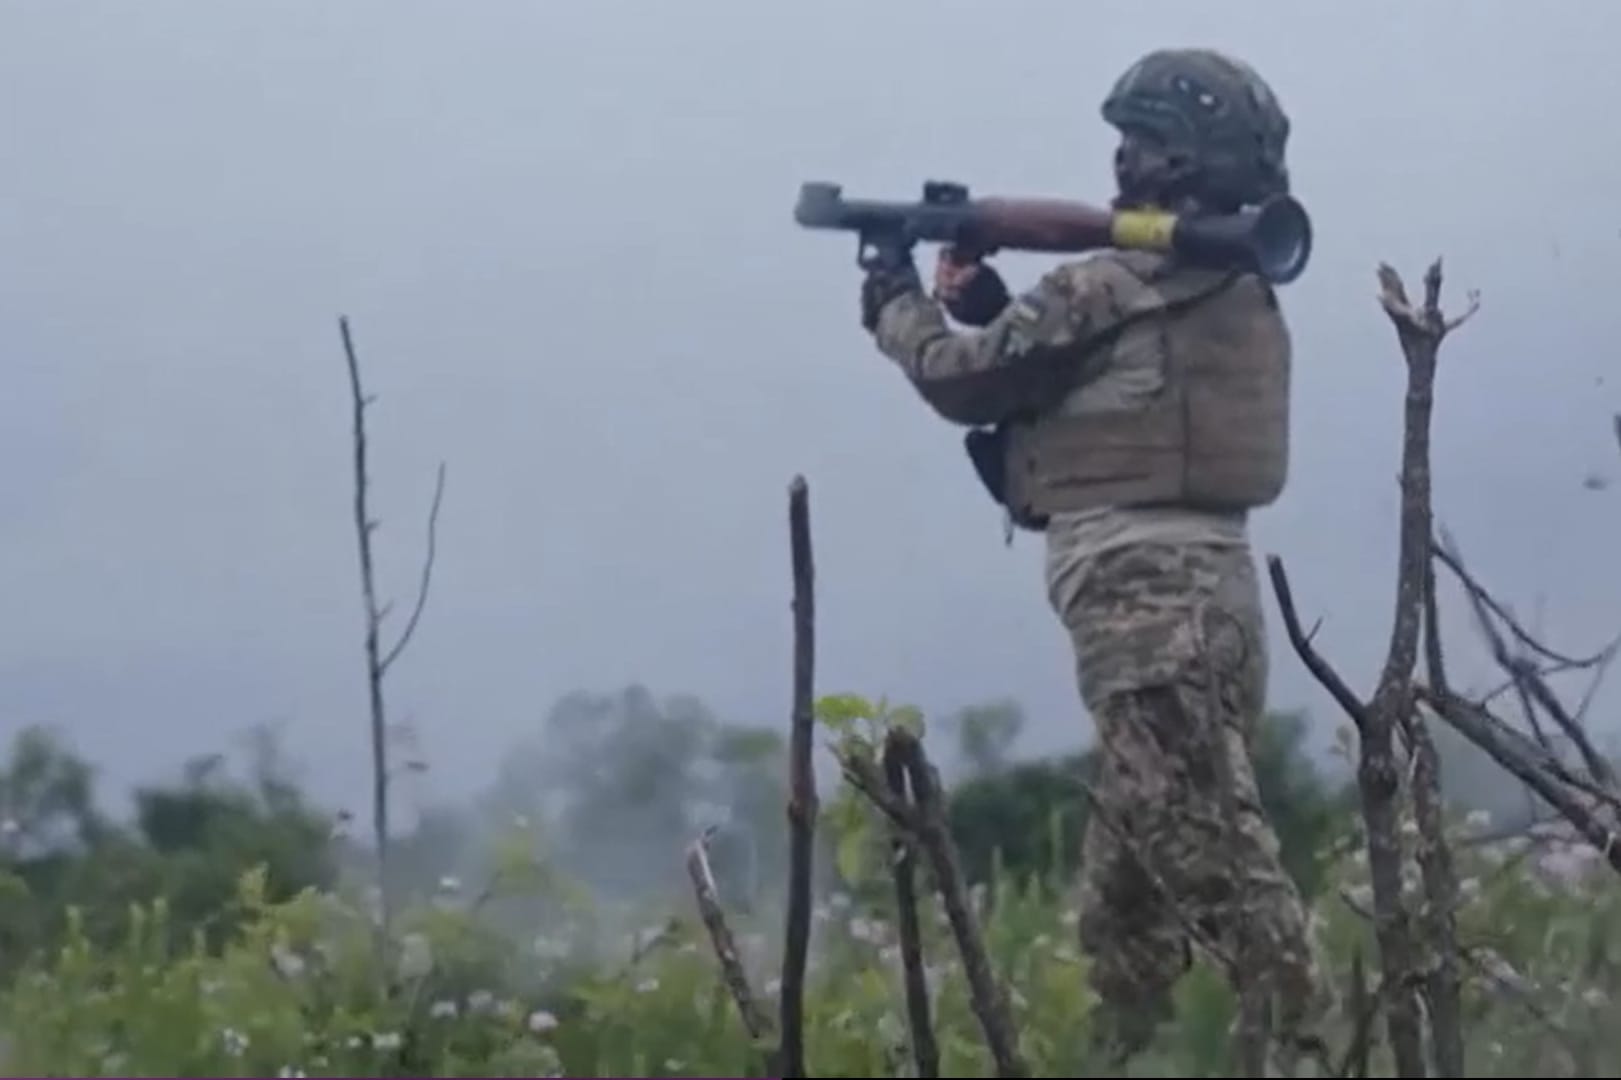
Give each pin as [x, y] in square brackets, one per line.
[562, 233]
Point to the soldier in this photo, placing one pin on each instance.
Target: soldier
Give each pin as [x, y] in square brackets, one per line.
[1137, 409]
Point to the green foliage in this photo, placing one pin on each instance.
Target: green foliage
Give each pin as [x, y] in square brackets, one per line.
[1026, 819]
[529, 973]
[189, 844]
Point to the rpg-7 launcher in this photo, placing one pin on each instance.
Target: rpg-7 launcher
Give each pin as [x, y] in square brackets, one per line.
[1273, 239]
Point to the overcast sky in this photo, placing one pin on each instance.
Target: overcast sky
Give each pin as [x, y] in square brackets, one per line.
[563, 234]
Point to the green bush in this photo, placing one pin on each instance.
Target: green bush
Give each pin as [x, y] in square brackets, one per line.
[290, 983]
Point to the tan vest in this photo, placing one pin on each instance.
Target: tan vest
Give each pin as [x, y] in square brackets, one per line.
[1191, 408]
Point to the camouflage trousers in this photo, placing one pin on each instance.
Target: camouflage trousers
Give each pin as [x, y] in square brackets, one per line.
[1178, 853]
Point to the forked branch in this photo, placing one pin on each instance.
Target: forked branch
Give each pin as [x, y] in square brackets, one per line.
[377, 661]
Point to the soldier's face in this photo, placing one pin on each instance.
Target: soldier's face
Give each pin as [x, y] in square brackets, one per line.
[1143, 169]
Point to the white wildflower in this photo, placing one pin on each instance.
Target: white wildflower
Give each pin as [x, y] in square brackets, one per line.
[889, 954]
[773, 987]
[386, 1040]
[890, 1029]
[1019, 1000]
[1071, 918]
[647, 985]
[541, 1021]
[646, 938]
[9, 827]
[416, 956]
[289, 1070]
[480, 1000]
[1595, 998]
[354, 1042]
[548, 948]
[442, 1010]
[550, 1063]
[1501, 972]
[1041, 941]
[866, 930]
[235, 1042]
[674, 1065]
[687, 948]
[1361, 897]
[1409, 829]
[1469, 889]
[839, 901]
[507, 1009]
[1478, 819]
[821, 912]
[286, 961]
[450, 883]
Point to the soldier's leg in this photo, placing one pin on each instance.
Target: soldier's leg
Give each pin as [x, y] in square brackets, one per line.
[1136, 946]
[1185, 771]
[1265, 898]
[1245, 893]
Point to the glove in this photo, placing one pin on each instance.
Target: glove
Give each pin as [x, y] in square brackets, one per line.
[973, 293]
[883, 284]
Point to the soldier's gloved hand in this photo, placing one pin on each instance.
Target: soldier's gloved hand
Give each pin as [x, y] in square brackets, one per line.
[972, 292]
[883, 284]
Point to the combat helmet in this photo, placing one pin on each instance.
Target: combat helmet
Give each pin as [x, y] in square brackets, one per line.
[1198, 123]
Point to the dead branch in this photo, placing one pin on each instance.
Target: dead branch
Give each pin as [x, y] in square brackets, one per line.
[378, 663]
[1443, 983]
[755, 1020]
[1446, 553]
[925, 1050]
[1532, 688]
[924, 820]
[802, 802]
[426, 580]
[1320, 668]
[1527, 762]
[1420, 329]
[1378, 784]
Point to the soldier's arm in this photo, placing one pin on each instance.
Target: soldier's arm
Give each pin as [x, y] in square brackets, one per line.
[1035, 350]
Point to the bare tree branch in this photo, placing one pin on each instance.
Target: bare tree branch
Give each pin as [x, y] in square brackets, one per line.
[924, 819]
[1445, 551]
[1320, 668]
[1420, 329]
[755, 1020]
[427, 573]
[925, 1050]
[1443, 983]
[1519, 756]
[364, 527]
[1531, 687]
[802, 802]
